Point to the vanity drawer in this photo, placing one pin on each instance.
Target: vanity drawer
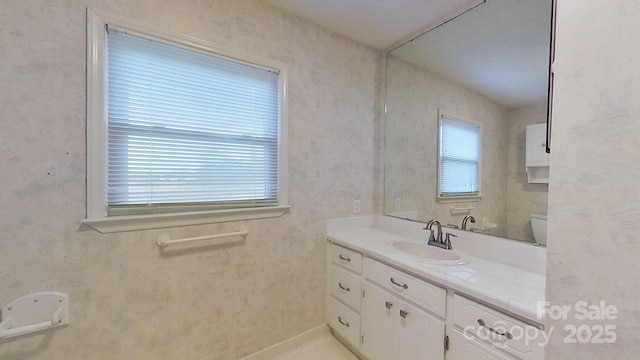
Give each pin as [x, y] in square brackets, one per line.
[346, 258]
[464, 348]
[498, 330]
[424, 294]
[346, 286]
[344, 321]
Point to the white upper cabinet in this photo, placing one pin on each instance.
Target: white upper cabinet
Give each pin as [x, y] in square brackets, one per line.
[537, 159]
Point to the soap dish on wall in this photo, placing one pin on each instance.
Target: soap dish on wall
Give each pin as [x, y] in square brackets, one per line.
[33, 313]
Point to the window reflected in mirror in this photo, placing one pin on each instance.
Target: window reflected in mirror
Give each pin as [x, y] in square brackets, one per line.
[459, 150]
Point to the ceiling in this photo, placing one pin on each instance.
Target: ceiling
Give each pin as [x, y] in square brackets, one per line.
[378, 23]
[499, 49]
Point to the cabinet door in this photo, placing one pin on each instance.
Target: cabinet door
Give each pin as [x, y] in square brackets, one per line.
[379, 320]
[536, 154]
[394, 329]
[421, 336]
[463, 348]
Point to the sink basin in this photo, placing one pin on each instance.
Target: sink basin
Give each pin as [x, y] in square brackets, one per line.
[428, 254]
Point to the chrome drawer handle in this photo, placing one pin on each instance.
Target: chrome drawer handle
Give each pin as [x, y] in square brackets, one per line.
[343, 288]
[343, 323]
[388, 304]
[404, 313]
[347, 259]
[506, 333]
[404, 286]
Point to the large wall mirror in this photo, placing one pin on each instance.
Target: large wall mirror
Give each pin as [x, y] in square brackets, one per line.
[490, 66]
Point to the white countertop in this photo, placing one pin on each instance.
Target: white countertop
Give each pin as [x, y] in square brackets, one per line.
[515, 289]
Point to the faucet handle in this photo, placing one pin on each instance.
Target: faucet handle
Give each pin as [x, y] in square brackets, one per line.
[447, 240]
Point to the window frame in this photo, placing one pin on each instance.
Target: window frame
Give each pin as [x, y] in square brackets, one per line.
[97, 216]
[457, 198]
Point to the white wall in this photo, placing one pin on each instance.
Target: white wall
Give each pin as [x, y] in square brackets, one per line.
[594, 200]
[127, 300]
[523, 198]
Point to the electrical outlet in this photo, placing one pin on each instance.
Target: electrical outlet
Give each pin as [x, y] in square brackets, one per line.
[356, 206]
[397, 203]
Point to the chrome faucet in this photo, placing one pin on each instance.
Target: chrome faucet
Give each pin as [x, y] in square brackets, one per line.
[436, 240]
[467, 218]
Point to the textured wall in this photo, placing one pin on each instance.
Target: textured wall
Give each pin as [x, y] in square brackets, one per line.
[414, 96]
[594, 201]
[128, 301]
[523, 199]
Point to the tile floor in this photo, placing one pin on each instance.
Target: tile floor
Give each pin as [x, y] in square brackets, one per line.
[324, 348]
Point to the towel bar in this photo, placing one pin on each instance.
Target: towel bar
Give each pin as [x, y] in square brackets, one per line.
[165, 240]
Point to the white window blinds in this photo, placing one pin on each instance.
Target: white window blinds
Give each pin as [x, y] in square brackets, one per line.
[187, 130]
[459, 158]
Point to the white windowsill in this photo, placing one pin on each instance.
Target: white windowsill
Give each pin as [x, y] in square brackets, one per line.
[458, 199]
[157, 221]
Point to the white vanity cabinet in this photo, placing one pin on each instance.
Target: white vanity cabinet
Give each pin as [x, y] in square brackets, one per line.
[392, 328]
[384, 313]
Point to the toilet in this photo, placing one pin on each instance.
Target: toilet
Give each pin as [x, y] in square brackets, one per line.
[539, 227]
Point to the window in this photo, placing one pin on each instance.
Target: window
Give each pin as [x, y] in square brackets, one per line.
[177, 126]
[459, 149]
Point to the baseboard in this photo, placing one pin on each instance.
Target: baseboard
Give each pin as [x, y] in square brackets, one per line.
[290, 344]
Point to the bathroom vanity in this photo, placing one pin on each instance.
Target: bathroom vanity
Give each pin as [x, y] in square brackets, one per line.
[389, 298]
